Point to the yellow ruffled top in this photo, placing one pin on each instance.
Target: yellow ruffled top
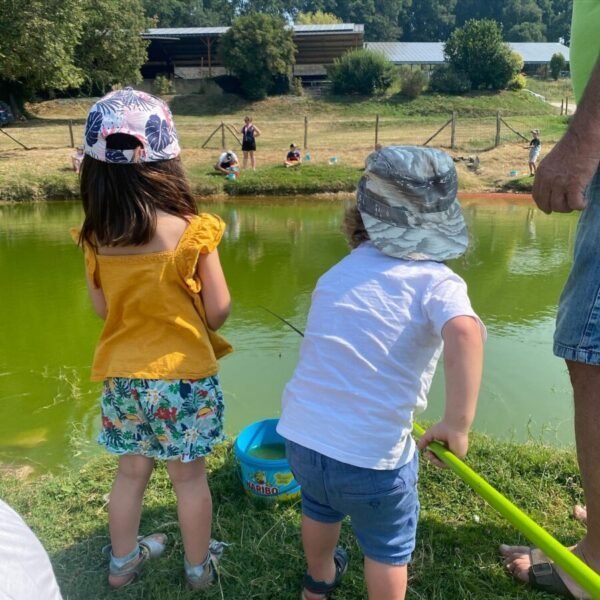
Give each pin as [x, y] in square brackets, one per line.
[156, 326]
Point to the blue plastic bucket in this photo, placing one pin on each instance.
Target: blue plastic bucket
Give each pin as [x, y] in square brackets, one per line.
[266, 474]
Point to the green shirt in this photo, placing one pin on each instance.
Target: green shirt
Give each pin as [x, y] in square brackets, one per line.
[585, 42]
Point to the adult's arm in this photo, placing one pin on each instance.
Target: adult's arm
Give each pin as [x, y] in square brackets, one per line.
[563, 175]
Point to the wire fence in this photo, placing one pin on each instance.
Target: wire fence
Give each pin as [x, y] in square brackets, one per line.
[467, 134]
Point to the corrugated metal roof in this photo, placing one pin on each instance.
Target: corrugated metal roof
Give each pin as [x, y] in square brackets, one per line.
[410, 53]
[179, 32]
[539, 52]
[431, 53]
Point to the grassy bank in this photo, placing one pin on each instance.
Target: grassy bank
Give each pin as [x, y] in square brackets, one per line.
[456, 556]
[344, 128]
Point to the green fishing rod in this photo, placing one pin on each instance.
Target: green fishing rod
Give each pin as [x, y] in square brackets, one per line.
[587, 578]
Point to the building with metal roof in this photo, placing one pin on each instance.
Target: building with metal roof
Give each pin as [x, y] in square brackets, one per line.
[432, 53]
[192, 52]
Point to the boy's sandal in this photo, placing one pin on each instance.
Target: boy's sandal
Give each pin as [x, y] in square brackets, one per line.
[150, 546]
[340, 558]
[544, 576]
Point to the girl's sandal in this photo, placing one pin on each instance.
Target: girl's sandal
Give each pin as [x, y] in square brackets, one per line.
[201, 577]
[340, 558]
[150, 546]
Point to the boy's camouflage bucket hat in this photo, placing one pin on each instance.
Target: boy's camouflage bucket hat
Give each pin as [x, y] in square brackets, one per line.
[407, 200]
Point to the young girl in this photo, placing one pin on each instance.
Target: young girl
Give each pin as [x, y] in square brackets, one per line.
[154, 276]
[375, 330]
[249, 134]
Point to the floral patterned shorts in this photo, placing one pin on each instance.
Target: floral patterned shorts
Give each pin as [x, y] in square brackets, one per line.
[158, 418]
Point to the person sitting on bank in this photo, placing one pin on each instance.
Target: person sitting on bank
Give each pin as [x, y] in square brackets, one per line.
[227, 163]
[293, 157]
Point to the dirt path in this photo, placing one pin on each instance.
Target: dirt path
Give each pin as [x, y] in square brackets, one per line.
[571, 107]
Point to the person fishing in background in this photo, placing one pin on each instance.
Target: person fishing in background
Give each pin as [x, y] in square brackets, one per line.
[375, 331]
[535, 148]
[154, 276]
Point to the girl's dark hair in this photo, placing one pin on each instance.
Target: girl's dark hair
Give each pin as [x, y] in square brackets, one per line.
[120, 201]
[354, 228]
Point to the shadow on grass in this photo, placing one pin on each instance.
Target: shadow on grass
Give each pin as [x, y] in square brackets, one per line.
[455, 558]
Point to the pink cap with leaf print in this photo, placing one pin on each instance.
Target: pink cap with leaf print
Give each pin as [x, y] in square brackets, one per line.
[135, 113]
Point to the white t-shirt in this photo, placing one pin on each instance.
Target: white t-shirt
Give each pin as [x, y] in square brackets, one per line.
[25, 569]
[223, 157]
[371, 346]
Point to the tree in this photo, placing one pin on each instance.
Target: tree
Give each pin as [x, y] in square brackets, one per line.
[316, 18]
[258, 48]
[191, 13]
[37, 45]
[380, 17]
[361, 72]
[111, 50]
[557, 17]
[522, 20]
[429, 21]
[477, 49]
[557, 64]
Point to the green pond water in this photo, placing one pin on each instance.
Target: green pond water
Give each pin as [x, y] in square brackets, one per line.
[273, 253]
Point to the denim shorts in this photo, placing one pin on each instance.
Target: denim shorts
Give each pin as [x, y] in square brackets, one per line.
[577, 335]
[383, 505]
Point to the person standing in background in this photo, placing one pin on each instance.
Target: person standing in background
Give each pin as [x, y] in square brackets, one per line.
[249, 134]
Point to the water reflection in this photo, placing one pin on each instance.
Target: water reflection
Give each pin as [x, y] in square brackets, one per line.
[273, 254]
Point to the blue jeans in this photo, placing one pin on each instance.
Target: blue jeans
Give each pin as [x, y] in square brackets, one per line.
[383, 505]
[577, 335]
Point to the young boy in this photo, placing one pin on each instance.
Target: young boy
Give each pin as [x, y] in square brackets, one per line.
[535, 148]
[375, 331]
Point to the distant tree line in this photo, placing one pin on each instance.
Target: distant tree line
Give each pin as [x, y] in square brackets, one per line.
[384, 20]
[89, 46]
[81, 45]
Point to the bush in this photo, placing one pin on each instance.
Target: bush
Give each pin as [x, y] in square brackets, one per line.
[557, 64]
[447, 80]
[280, 84]
[518, 82]
[542, 71]
[413, 82]
[478, 50]
[229, 83]
[162, 85]
[297, 88]
[361, 72]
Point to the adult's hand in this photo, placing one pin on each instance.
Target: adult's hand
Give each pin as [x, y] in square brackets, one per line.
[562, 177]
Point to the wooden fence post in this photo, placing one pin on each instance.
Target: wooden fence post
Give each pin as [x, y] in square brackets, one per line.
[71, 134]
[453, 131]
[376, 130]
[222, 135]
[562, 105]
[305, 132]
[567, 106]
[498, 129]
